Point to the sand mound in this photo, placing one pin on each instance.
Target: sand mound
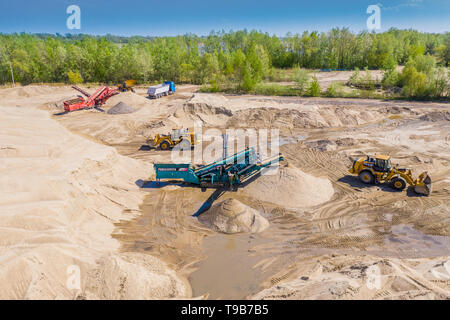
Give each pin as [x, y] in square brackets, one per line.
[345, 277]
[204, 112]
[232, 216]
[195, 108]
[27, 91]
[290, 187]
[322, 145]
[129, 98]
[304, 116]
[60, 196]
[121, 108]
[436, 116]
[257, 112]
[134, 276]
[210, 99]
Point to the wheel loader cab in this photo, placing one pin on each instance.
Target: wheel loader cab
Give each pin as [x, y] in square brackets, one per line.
[382, 164]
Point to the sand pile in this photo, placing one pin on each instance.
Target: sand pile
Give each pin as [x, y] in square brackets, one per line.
[284, 113]
[322, 145]
[121, 108]
[204, 112]
[129, 98]
[232, 216]
[302, 116]
[60, 195]
[209, 99]
[195, 108]
[344, 277]
[436, 116]
[289, 187]
[139, 276]
[27, 91]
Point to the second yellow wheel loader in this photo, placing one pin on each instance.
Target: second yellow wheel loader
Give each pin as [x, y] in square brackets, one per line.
[181, 137]
[378, 169]
[126, 86]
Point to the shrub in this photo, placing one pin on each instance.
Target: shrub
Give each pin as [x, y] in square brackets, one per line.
[391, 78]
[274, 89]
[332, 91]
[215, 83]
[313, 88]
[354, 78]
[437, 84]
[425, 64]
[414, 82]
[367, 80]
[74, 77]
[302, 78]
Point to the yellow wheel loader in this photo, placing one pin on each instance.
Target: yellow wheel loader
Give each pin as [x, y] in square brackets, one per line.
[126, 86]
[179, 137]
[378, 169]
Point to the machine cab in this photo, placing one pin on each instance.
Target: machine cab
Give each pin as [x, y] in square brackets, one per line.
[382, 163]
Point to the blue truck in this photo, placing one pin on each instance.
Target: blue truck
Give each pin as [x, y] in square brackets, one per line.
[163, 89]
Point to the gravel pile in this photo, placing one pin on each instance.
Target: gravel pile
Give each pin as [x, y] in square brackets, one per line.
[121, 108]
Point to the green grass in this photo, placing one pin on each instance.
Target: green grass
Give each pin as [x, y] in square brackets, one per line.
[281, 75]
[340, 91]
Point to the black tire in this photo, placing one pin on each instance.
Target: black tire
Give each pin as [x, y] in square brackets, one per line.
[398, 183]
[165, 145]
[185, 144]
[366, 177]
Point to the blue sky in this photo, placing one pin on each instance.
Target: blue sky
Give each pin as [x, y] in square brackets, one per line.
[150, 17]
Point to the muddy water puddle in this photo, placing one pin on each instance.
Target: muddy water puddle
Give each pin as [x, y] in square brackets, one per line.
[236, 266]
[229, 270]
[406, 242]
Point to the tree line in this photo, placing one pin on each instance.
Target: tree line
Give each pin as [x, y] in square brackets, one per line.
[242, 57]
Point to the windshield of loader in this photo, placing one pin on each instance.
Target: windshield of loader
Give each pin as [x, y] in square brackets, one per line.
[384, 164]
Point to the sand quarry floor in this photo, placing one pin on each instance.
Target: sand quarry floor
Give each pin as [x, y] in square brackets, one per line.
[77, 193]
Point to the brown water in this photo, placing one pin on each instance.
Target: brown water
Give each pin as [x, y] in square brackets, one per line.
[236, 266]
[229, 270]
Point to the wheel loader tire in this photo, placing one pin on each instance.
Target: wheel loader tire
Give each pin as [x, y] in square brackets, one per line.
[398, 183]
[165, 145]
[366, 177]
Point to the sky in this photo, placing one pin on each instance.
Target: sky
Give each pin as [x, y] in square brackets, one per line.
[177, 17]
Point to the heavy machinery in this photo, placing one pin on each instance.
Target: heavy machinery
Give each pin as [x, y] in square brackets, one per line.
[126, 86]
[164, 89]
[228, 172]
[378, 169]
[181, 137]
[94, 100]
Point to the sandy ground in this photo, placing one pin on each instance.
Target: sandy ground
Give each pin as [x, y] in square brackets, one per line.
[60, 196]
[329, 236]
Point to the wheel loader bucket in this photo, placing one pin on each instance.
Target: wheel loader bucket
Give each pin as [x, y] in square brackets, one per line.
[423, 185]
